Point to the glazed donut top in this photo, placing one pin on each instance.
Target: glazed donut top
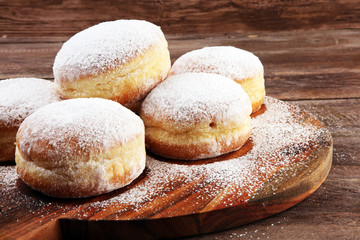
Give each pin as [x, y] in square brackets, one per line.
[191, 98]
[19, 97]
[78, 128]
[228, 61]
[103, 47]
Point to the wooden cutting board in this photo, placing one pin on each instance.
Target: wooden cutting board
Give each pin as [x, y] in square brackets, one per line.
[286, 158]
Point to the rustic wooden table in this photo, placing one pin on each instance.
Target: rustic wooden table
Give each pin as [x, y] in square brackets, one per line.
[310, 52]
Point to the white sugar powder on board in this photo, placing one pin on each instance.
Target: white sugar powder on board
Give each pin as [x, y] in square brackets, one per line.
[273, 131]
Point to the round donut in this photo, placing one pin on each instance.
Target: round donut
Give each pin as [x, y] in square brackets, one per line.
[19, 97]
[119, 60]
[80, 148]
[240, 65]
[196, 115]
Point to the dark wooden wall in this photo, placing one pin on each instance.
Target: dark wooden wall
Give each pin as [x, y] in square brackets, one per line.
[22, 18]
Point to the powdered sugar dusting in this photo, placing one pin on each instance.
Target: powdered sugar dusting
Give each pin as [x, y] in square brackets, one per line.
[9, 184]
[19, 203]
[228, 61]
[104, 46]
[94, 124]
[19, 97]
[277, 137]
[176, 189]
[197, 97]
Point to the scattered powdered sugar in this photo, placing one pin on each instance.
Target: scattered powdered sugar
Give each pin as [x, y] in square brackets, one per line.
[94, 124]
[229, 61]
[9, 184]
[104, 46]
[197, 97]
[8, 177]
[178, 188]
[19, 97]
[277, 137]
[19, 203]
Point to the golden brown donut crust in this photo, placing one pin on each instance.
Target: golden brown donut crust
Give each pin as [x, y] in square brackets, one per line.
[37, 174]
[7, 142]
[125, 74]
[240, 65]
[20, 97]
[126, 84]
[170, 147]
[196, 115]
[80, 148]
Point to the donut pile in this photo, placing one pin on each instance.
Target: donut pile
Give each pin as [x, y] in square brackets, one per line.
[114, 94]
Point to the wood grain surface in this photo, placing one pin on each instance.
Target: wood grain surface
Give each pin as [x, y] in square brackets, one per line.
[310, 54]
[214, 194]
[298, 64]
[66, 17]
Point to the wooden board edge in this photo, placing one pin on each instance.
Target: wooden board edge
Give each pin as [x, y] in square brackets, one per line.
[194, 224]
[260, 206]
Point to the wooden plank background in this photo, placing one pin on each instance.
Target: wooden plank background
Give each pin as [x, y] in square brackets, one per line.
[64, 18]
[307, 64]
[310, 51]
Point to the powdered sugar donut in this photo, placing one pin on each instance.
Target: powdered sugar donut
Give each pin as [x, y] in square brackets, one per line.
[196, 115]
[80, 148]
[240, 65]
[19, 97]
[119, 60]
